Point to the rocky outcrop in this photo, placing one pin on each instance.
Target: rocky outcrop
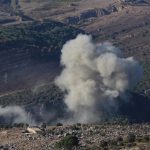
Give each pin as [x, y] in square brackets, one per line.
[72, 20]
[88, 14]
[10, 2]
[133, 1]
[91, 13]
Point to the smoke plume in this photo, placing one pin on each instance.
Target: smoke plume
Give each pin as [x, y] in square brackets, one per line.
[94, 76]
[15, 114]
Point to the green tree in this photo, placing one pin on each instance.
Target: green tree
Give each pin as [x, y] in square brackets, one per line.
[68, 142]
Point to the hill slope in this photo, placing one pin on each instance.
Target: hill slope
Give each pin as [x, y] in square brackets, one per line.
[29, 53]
[30, 44]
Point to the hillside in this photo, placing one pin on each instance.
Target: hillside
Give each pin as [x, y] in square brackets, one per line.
[32, 34]
[29, 53]
[124, 23]
[104, 113]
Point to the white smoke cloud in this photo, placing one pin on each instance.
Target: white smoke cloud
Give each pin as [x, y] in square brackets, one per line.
[94, 74]
[15, 114]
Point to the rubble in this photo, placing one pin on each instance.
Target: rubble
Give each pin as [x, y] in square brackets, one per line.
[88, 135]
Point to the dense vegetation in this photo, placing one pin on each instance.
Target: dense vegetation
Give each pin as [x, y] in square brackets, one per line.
[68, 142]
[144, 86]
[47, 93]
[40, 39]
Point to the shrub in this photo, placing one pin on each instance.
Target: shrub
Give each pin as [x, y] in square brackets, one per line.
[59, 124]
[139, 139]
[43, 126]
[103, 143]
[74, 127]
[121, 143]
[112, 143]
[67, 142]
[105, 148]
[146, 138]
[131, 138]
[78, 124]
[119, 139]
[20, 125]
[129, 145]
[5, 126]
